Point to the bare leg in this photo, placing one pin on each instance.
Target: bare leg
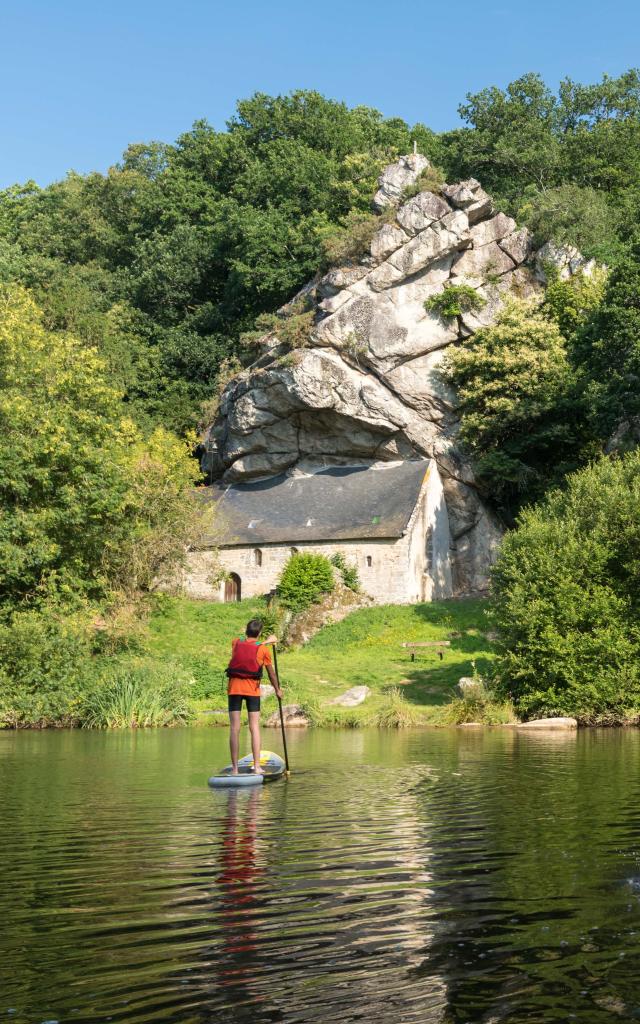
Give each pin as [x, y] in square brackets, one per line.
[254, 729]
[234, 739]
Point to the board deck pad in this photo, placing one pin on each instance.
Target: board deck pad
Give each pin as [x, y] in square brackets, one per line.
[272, 765]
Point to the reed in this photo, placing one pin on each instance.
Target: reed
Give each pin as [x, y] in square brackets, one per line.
[136, 697]
[396, 712]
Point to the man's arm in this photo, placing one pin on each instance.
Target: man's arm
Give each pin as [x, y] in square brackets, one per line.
[273, 679]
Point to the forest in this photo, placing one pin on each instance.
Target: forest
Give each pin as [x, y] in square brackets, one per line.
[128, 298]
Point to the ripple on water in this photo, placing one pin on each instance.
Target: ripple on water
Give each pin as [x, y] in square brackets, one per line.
[417, 877]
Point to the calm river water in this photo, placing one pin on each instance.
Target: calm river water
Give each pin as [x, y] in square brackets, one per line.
[422, 876]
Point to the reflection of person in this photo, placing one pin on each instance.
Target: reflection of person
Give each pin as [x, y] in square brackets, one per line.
[238, 880]
[249, 656]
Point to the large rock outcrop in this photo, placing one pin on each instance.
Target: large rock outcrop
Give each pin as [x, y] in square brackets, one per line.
[366, 386]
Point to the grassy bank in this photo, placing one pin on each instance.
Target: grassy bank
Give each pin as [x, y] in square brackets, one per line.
[363, 649]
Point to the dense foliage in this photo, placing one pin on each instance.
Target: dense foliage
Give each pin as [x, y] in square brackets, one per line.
[305, 579]
[526, 144]
[607, 348]
[454, 300]
[165, 261]
[517, 403]
[567, 598]
[93, 512]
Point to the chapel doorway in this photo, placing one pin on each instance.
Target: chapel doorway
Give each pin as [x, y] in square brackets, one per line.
[232, 588]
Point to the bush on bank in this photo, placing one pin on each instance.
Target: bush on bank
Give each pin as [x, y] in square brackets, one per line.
[44, 654]
[567, 599]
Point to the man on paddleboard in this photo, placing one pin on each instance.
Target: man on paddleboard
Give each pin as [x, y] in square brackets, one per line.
[249, 657]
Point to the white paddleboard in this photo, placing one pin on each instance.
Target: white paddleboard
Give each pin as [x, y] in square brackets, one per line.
[272, 765]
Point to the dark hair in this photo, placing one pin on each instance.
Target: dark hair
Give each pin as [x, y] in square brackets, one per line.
[254, 628]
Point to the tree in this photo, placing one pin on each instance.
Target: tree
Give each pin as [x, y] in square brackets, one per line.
[517, 403]
[566, 598]
[93, 513]
[607, 349]
[574, 215]
[525, 140]
[201, 237]
[75, 493]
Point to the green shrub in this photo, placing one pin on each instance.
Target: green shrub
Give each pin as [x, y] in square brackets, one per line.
[454, 300]
[353, 238]
[484, 708]
[304, 580]
[137, 696]
[349, 573]
[44, 654]
[430, 180]
[570, 303]
[567, 598]
[396, 712]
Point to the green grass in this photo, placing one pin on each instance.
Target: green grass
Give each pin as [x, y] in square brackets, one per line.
[362, 649]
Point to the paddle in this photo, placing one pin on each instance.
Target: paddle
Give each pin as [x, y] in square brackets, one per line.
[284, 737]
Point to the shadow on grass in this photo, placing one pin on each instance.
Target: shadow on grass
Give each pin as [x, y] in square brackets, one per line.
[435, 684]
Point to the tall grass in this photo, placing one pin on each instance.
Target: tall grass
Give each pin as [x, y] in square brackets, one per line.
[396, 712]
[483, 708]
[137, 697]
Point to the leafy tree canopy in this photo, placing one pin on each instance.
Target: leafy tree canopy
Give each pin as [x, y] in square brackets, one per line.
[89, 504]
[566, 598]
[607, 349]
[517, 400]
[182, 246]
[167, 260]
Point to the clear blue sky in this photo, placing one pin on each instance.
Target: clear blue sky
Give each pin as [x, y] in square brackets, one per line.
[80, 80]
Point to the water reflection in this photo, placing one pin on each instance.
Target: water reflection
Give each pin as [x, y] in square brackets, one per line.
[529, 926]
[238, 886]
[419, 877]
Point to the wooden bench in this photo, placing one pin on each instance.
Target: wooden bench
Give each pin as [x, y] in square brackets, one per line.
[438, 644]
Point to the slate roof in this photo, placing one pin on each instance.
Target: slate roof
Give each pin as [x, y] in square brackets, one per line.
[336, 503]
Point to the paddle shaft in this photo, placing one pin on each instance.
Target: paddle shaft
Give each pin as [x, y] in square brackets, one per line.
[284, 735]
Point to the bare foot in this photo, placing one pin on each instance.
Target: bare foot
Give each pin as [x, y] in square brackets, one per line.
[234, 771]
[258, 771]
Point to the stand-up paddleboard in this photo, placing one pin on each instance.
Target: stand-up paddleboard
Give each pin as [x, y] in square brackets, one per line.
[272, 766]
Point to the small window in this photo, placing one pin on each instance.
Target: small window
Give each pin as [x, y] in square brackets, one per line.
[369, 561]
[257, 556]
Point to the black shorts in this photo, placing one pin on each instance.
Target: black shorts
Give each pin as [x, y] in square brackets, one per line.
[236, 699]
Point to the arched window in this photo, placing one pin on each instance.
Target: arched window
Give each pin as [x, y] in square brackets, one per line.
[369, 561]
[257, 556]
